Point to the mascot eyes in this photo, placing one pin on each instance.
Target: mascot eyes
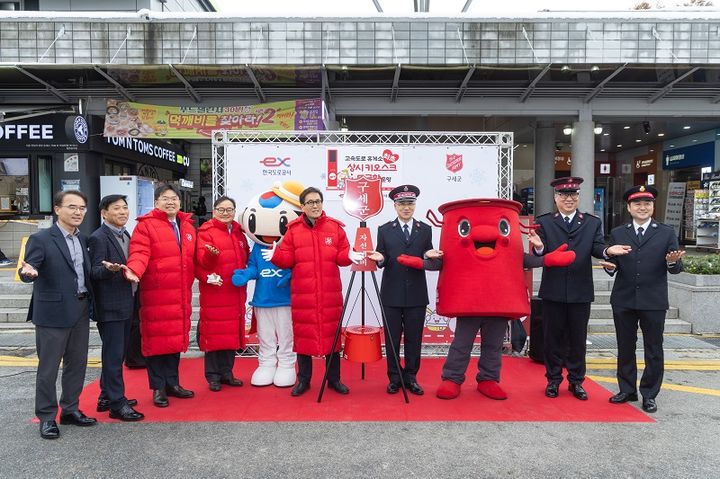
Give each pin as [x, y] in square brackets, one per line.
[252, 222]
[283, 225]
[504, 227]
[464, 228]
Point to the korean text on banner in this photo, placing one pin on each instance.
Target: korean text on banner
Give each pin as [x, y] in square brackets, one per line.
[138, 120]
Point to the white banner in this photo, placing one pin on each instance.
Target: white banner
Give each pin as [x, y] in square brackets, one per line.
[442, 172]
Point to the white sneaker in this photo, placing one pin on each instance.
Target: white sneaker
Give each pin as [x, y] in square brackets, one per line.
[6, 262]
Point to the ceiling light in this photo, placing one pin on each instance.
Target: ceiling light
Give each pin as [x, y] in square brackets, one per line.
[619, 146]
[567, 130]
[565, 69]
[652, 151]
[686, 127]
[694, 141]
[598, 129]
[638, 141]
[661, 134]
[608, 134]
[672, 146]
[626, 127]
[603, 149]
[595, 68]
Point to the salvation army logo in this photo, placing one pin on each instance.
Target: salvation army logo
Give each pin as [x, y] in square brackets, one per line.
[389, 157]
[80, 129]
[453, 162]
[328, 241]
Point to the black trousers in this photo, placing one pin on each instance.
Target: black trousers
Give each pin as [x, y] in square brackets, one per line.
[114, 335]
[133, 355]
[565, 332]
[219, 365]
[163, 370]
[409, 323]
[332, 365]
[652, 324]
[518, 336]
[69, 345]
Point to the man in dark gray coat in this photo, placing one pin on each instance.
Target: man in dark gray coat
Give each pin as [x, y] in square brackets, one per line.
[640, 294]
[57, 262]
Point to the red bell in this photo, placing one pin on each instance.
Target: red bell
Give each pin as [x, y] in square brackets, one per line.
[362, 344]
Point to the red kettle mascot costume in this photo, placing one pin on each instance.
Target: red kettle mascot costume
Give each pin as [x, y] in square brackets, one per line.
[482, 283]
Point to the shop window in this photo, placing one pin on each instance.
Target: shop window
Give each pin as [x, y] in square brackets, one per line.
[45, 191]
[14, 185]
[116, 168]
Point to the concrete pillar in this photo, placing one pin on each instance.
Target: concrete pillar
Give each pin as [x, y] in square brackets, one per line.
[544, 167]
[583, 161]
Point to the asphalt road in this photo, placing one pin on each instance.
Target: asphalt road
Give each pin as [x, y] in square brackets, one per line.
[684, 442]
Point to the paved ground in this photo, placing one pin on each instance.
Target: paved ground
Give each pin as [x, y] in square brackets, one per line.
[682, 443]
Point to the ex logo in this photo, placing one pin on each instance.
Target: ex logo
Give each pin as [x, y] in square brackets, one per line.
[275, 161]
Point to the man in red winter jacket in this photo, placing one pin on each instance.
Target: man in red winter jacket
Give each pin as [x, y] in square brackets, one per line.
[314, 246]
[162, 260]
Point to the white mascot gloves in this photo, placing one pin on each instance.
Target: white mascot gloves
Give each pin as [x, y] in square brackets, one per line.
[268, 253]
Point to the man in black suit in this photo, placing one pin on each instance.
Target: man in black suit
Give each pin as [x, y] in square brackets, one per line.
[115, 304]
[403, 290]
[640, 294]
[567, 292]
[56, 260]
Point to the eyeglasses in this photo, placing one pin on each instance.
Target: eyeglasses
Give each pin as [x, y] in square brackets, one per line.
[313, 203]
[169, 199]
[223, 211]
[573, 194]
[75, 208]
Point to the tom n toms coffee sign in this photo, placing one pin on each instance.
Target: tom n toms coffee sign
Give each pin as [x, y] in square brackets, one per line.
[68, 132]
[150, 149]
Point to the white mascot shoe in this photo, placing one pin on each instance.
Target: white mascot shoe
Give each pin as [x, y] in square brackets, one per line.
[285, 377]
[263, 376]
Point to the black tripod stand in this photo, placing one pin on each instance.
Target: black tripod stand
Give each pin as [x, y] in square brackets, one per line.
[388, 342]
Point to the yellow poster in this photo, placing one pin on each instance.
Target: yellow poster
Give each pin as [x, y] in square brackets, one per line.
[138, 120]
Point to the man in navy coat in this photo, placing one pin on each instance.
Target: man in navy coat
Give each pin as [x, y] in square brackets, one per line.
[403, 290]
[115, 304]
[567, 292]
[640, 294]
[57, 262]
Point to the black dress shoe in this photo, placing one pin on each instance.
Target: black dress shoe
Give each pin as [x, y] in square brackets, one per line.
[415, 388]
[621, 397]
[649, 405]
[578, 391]
[300, 388]
[551, 390]
[214, 386]
[160, 399]
[104, 404]
[393, 388]
[77, 418]
[49, 430]
[339, 387]
[127, 413]
[232, 381]
[179, 392]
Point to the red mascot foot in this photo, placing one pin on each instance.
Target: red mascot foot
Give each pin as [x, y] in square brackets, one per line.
[491, 389]
[448, 390]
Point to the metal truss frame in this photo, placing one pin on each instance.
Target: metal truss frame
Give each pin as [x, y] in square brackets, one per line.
[503, 140]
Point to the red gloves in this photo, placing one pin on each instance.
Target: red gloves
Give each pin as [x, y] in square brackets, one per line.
[416, 262]
[559, 257]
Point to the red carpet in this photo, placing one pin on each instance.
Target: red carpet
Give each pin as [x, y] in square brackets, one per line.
[523, 380]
